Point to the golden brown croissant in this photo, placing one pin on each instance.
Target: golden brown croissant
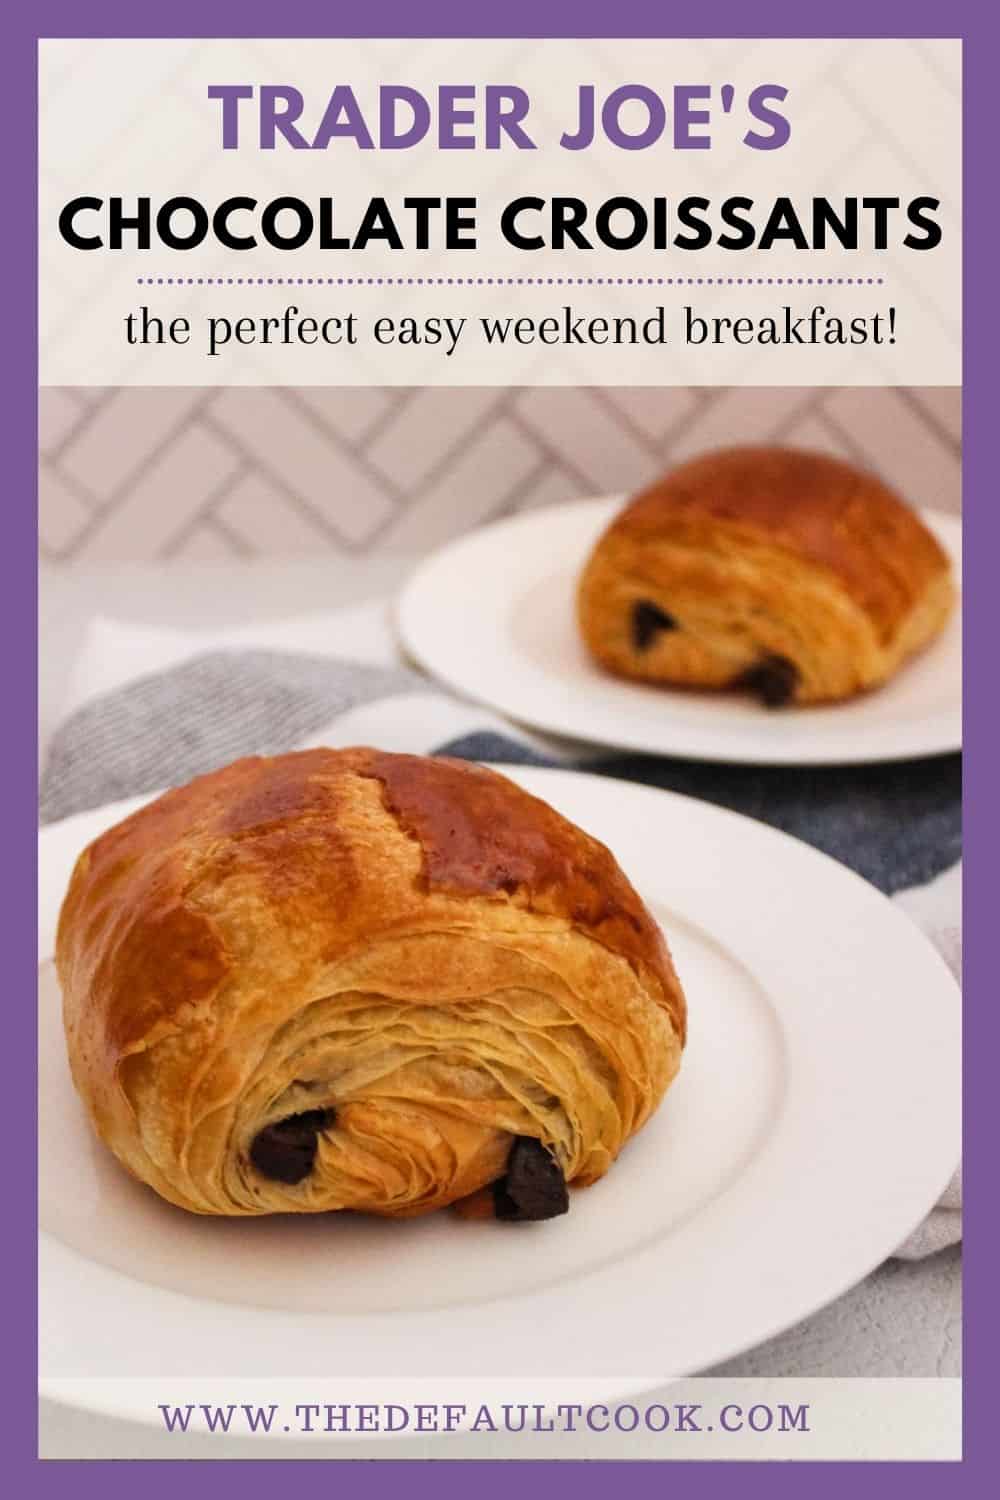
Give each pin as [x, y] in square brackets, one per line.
[349, 979]
[793, 575]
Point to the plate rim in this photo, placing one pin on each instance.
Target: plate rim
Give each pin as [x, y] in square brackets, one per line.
[87, 1399]
[406, 611]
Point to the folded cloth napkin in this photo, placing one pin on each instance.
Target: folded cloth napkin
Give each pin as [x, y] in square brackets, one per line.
[152, 708]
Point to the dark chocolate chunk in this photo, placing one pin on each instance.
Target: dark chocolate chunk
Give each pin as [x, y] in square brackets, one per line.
[774, 680]
[286, 1150]
[534, 1187]
[648, 620]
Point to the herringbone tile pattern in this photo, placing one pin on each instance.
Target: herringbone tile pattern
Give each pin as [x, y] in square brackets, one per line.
[146, 472]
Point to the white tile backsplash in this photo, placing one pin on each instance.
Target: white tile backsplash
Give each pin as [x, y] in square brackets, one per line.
[143, 472]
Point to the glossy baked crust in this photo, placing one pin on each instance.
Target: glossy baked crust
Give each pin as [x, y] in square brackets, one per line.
[375, 972]
[791, 574]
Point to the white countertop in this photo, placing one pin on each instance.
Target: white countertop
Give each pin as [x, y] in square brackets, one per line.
[903, 1320]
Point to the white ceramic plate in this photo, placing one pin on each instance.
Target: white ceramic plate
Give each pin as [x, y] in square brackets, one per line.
[815, 1120]
[493, 616]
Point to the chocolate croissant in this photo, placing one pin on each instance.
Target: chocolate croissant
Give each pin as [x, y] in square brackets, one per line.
[790, 575]
[343, 979]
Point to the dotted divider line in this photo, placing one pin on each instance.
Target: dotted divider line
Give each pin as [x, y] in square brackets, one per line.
[509, 281]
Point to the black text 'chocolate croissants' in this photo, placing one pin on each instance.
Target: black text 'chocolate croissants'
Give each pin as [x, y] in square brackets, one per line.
[791, 575]
[355, 980]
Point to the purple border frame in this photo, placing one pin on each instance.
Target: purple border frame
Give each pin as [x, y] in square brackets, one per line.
[23, 25]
